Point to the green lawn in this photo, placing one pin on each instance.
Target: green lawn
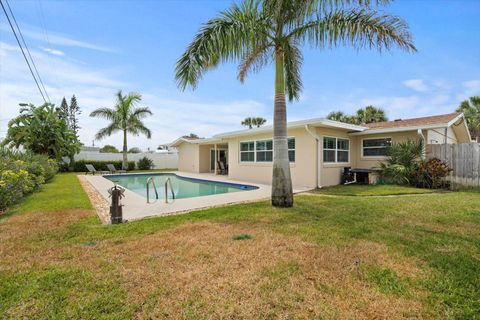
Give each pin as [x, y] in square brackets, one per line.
[327, 257]
[372, 190]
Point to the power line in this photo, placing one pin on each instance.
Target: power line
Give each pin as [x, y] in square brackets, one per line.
[28, 51]
[23, 52]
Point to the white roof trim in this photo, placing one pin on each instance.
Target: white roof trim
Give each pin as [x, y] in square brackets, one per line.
[292, 125]
[401, 129]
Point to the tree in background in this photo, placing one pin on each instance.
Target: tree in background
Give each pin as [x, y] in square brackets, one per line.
[257, 33]
[64, 112]
[74, 112]
[370, 114]
[124, 117]
[471, 110]
[134, 150]
[365, 115]
[41, 130]
[108, 148]
[251, 122]
[191, 136]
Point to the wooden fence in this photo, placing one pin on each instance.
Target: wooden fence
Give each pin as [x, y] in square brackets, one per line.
[463, 158]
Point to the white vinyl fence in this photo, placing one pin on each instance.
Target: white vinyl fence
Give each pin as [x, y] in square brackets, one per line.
[463, 158]
[160, 160]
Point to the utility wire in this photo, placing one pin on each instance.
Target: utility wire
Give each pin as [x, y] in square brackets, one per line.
[23, 52]
[28, 50]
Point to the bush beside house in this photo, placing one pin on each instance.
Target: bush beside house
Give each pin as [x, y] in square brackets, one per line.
[21, 174]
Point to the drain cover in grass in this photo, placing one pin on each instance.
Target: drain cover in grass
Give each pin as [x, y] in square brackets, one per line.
[242, 236]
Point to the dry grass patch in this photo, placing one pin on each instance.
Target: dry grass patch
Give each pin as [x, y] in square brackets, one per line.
[197, 271]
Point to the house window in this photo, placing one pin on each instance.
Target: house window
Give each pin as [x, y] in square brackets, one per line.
[375, 147]
[262, 150]
[247, 151]
[291, 149]
[336, 150]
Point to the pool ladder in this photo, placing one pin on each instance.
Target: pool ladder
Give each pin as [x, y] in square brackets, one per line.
[150, 180]
[168, 183]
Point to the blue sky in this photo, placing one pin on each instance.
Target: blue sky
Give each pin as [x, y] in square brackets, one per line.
[94, 48]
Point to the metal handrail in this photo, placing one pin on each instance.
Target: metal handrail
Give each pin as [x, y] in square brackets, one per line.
[166, 190]
[150, 179]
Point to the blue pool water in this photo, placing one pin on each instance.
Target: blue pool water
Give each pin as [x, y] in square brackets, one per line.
[183, 187]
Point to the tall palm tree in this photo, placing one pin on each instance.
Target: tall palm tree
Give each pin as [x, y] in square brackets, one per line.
[259, 121]
[124, 117]
[471, 110]
[257, 32]
[370, 114]
[248, 122]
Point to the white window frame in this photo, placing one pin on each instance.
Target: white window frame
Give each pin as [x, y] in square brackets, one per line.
[336, 150]
[249, 151]
[376, 138]
[255, 150]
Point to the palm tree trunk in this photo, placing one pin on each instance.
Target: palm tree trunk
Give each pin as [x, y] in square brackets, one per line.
[282, 195]
[125, 160]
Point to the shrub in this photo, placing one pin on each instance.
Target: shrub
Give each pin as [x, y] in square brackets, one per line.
[431, 174]
[79, 165]
[404, 165]
[22, 173]
[145, 163]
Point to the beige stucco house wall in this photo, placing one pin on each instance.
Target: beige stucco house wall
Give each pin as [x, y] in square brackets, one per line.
[309, 169]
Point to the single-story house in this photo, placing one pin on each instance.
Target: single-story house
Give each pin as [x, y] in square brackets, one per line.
[319, 148]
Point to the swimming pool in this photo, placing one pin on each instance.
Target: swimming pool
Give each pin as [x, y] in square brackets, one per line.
[183, 187]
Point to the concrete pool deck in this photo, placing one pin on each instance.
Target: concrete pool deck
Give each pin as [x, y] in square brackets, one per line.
[136, 207]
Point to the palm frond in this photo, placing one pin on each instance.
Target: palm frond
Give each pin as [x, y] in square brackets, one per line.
[107, 131]
[230, 36]
[105, 113]
[141, 112]
[359, 28]
[254, 61]
[293, 60]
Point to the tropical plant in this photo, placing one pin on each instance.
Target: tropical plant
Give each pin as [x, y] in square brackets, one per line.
[63, 111]
[431, 174]
[251, 122]
[471, 110]
[108, 148]
[365, 115]
[124, 117]
[40, 129]
[341, 117]
[22, 173]
[145, 164]
[370, 114]
[259, 32]
[402, 161]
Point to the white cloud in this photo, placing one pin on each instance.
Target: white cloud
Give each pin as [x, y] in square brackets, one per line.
[416, 84]
[57, 38]
[174, 113]
[55, 52]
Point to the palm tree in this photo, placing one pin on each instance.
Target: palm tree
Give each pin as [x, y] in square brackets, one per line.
[255, 121]
[471, 110]
[258, 32]
[125, 117]
[370, 114]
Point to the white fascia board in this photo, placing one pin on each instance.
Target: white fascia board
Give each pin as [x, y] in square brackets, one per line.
[400, 129]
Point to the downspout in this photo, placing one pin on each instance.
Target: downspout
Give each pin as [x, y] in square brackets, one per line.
[424, 143]
[317, 163]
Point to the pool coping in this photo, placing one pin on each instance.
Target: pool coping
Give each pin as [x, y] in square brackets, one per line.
[135, 206]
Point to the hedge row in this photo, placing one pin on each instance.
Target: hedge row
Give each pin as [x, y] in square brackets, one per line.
[79, 165]
[22, 173]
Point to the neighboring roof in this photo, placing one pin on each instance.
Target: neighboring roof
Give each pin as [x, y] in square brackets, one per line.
[423, 121]
[439, 121]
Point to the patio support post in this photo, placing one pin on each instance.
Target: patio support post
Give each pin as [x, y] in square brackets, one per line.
[215, 157]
